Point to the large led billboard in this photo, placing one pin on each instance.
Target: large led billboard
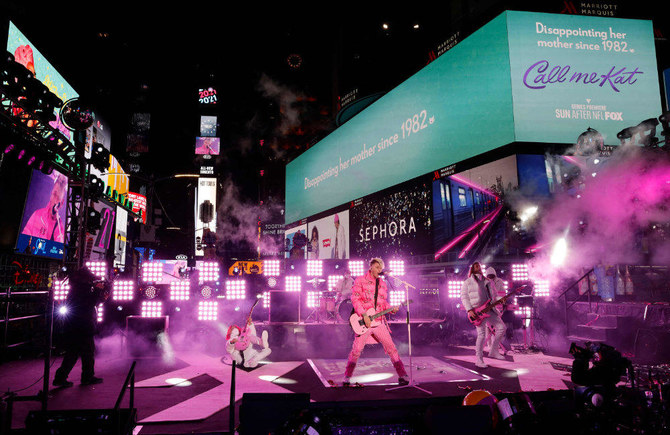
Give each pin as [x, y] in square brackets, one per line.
[505, 83]
[42, 230]
[328, 237]
[27, 55]
[206, 201]
[208, 145]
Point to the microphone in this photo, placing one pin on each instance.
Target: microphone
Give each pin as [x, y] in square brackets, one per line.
[385, 272]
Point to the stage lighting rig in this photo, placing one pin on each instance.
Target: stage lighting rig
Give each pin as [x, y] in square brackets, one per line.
[76, 115]
[647, 130]
[100, 157]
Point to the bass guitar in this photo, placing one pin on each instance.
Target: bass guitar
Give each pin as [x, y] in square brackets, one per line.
[482, 311]
[358, 324]
[243, 341]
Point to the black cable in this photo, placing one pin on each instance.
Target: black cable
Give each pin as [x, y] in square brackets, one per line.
[25, 388]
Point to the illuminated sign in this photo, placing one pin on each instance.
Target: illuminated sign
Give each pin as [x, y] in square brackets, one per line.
[207, 96]
[120, 237]
[208, 146]
[206, 170]
[523, 77]
[208, 126]
[206, 198]
[139, 204]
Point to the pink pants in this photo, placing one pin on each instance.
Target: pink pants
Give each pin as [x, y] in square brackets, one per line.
[382, 335]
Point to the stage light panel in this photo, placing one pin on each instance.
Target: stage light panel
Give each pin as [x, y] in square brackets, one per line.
[313, 299]
[314, 267]
[266, 300]
[150, 292]
[357, 267]
[519, 272]
[334, 280]
[542, 288]
[98, 268]
[208, 311]
[61, 289]
[206, 291]
[152, 272]
[293, 284]
[272, 282]
[271, 267]
[180, 290]
[209, 271]
[123, 290]
[101, 312]
[454, 289]
[396, 297]
[524, 312]
[397, 267]
[152, 309]
[236, 289]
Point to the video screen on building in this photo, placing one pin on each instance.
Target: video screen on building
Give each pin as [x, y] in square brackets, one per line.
[392, 223]
[208, 146]
[328, 237]
[42, 230]
[99, 242]
[208, 126]
[27, 55]
[207, 96]
[295, 242]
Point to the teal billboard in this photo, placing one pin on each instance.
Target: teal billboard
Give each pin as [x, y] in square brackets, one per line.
[515, 79]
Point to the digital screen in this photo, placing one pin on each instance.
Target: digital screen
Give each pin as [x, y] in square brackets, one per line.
[171, 270]
[329, 237]
[139, 204]
[207, 96]
[295, 242]
[137, 140]
[42, 230]
[120, 237]
[97, 244]
[206, 195]
[495, 87]
[27, 55]
[208, 126]
[208, 145]
[392, 224]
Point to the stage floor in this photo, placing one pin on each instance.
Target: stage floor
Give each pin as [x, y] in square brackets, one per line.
[185, 392]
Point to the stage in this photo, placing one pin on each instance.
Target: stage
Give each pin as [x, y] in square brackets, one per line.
[189, 391]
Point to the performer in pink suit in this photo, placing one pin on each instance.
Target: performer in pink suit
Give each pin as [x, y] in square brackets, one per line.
[363, 298]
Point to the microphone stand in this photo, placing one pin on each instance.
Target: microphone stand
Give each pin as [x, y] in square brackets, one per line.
[409, 341]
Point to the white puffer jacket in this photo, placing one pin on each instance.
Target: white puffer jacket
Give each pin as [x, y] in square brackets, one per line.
[470, 293]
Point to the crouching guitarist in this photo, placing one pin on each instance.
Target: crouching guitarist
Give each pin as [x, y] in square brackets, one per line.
[476, 291]
[369, 291]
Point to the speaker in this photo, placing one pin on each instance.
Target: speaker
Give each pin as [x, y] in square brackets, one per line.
[143, 334]
[267, 412]
[284, 306]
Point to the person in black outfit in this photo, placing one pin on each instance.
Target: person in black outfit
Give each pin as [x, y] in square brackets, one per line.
[86, 292]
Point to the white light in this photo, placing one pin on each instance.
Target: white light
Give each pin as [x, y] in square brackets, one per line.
[596, 161]
[62, 310]
[397, 267]
[152, 309]
[357, 267]
[178, 382]
[208, 310]
[314, 267]
[293, 284]
[180, 290]
[385, 26]
[101, 312]
[396, 297]
[593, 174]
[454, 289]
[519, 272]
[541, 288]
[313, 299]
[209, 271]
[61, 289]
[559, 252]
[98, 268]
[152, 272]
[266, 300]
[528, 213]
[334, 280]
[123, 290]
[236, 289]
[271, 267]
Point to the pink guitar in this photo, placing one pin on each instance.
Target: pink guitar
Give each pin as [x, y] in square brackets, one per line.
[482, 311]
[243, 341]
[358, 324]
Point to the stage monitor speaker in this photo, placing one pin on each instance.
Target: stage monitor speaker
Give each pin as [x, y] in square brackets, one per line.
[143, 334]
[284, 306]
[267, 412]
[651, 347]
[82, 421]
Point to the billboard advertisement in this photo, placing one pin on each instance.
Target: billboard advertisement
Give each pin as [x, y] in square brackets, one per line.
[206, 199]
[522, 77]
[97, 244]
[137, 140]
[208, 145]
[42, 230]
[295, 242]
[120, 237]
[208, 126]
[329, 237]
[573, 72]
[392, 223]
[27, 55]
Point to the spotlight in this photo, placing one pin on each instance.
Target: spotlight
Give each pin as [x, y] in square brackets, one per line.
[209, 271]
[454, 289]
[334, 280]
[271, 267]
[100, 157]
[180, 290]
[293, 284]
[206, 291]
[313, 299]
[519, 272]
[272, 282]
[152, 309]
[357, 267]
[96, 187]
[150, 292]
[123, 290]
[152, 272]
[93, 220]
[62, 310]
[397, 267]
[236, 289]
[625, 135]
[314, 267]
[208, 310]
[665, 122]
[61, 289]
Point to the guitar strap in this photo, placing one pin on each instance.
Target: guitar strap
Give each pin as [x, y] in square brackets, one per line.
[376, 292]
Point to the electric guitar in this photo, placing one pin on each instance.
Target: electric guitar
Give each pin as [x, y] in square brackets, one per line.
[482, 311]
[358, 324]
[242, 342]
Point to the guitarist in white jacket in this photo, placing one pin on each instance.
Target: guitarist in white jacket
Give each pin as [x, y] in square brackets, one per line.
[475, 291]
